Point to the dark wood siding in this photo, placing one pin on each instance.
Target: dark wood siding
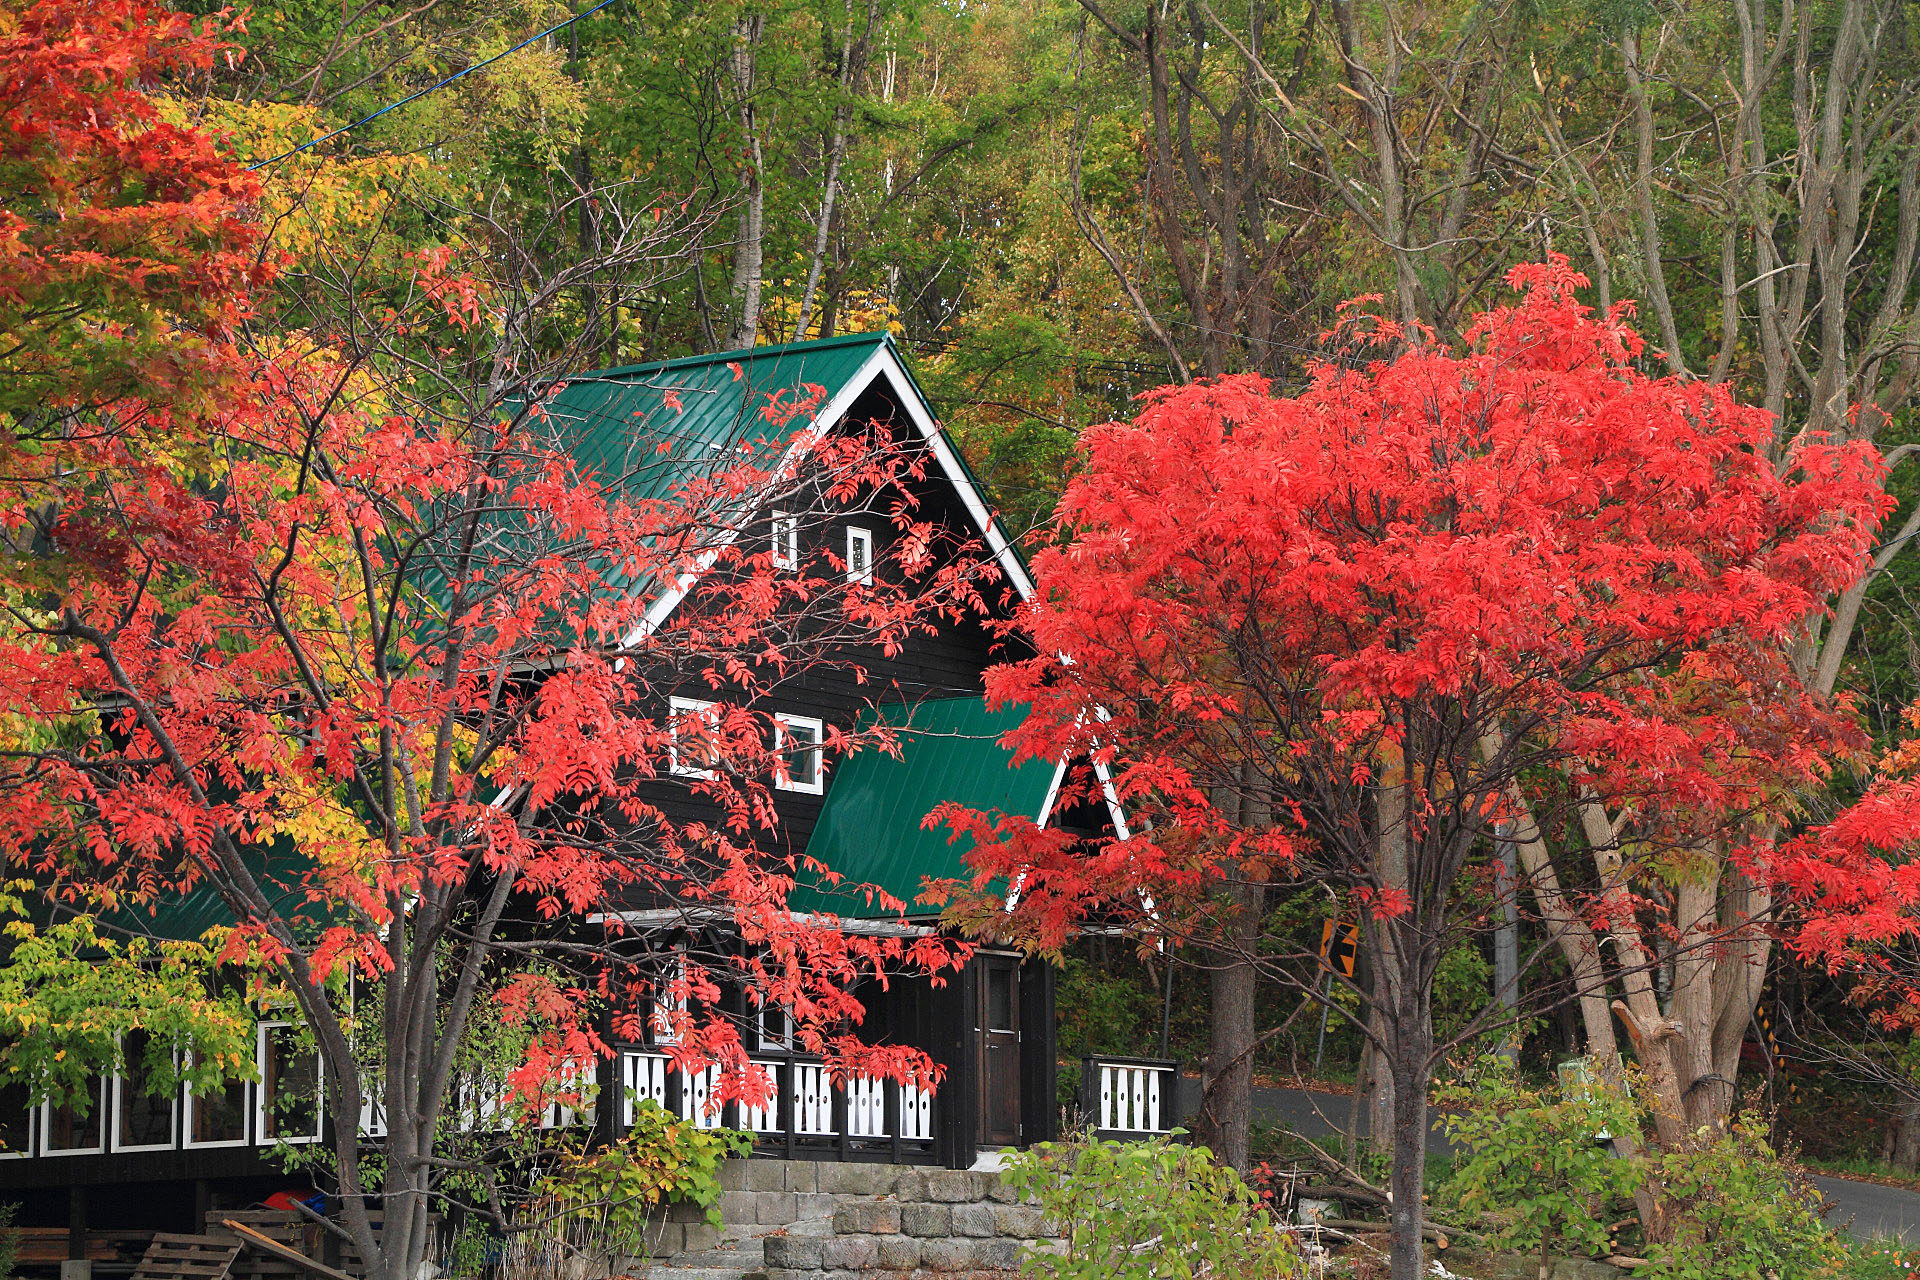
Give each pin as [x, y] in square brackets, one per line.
[946, 664]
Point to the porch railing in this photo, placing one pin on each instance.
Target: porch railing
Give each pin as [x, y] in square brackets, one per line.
[1130, 1097]
[809, 1111]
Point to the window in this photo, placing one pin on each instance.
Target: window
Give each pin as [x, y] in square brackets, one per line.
[692, 749]
[860, 556]
[143, 1120]
[999, 998]
[796, 743]
[287, 1105]
[218, 1116]
[786, 540]
[773, 1028]
[669, 1005]
[75, 1128]
[16, 1123]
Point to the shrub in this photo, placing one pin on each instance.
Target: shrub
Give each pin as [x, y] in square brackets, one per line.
[1535, 1166]
[1734, 1209]
[1739, 1212]
[1158, 1210]
[611, 1190]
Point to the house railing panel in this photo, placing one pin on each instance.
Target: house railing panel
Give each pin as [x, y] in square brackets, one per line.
[808, 1107]
[1130, 1097]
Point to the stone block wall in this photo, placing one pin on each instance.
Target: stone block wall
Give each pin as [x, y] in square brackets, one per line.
[809, 1220]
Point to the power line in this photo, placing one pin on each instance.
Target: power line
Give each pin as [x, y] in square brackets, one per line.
[421, 93]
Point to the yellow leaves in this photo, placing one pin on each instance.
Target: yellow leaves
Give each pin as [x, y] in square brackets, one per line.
[316, 198]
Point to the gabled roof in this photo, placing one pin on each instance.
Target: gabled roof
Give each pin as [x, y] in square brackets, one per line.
[614, 421]
[869, 830]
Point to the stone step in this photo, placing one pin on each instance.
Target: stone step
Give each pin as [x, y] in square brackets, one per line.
[663, 1271]
[742, 1259]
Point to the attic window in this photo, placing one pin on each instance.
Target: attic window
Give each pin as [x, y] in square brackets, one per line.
[786, 540]
[860, 556]
[796, 743]
[693, 738]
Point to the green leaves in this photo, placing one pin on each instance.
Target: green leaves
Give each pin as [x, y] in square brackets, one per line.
[1536, 1167]
[662, 1159]
[1536, 1172]
[1159, 1209]
[71, 995]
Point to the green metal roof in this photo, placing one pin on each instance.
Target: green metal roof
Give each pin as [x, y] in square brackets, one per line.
[187, 917]
[614, 421]
[870, 826]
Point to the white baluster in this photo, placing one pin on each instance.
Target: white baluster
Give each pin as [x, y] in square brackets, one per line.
[1153, 1102]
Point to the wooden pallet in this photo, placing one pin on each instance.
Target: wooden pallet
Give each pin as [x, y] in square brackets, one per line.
[282, 1226]
[179, 1257]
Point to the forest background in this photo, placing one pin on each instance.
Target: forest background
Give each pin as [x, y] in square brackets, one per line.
[1057, 205]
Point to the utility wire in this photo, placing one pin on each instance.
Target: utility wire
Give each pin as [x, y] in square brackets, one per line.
[421, 93]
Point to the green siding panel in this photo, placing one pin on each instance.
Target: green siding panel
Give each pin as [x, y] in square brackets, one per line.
[870, 826]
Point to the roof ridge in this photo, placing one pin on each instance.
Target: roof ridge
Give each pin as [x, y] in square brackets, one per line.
[881, 337]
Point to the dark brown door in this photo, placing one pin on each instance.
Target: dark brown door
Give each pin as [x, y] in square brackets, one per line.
[997, 1031]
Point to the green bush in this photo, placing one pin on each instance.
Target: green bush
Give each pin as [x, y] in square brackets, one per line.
[1534, 1166]
[1740, 1212]
[661, 1159]
[1159, 1210]
[1533, 1171]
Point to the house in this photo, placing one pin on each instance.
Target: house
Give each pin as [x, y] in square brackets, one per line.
[135, 1161]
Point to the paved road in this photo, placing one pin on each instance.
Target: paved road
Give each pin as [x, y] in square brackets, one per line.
[1865, 1208]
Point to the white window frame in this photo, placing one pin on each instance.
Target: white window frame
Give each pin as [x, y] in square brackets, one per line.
[120, 1083]
[861, 537]
[781, 781]
[786, 539]
[260, 1099]
[187, 1140]
[101, 1115]
[679, 709]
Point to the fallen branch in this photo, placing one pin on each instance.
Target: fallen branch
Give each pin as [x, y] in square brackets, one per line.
[1427, 1229]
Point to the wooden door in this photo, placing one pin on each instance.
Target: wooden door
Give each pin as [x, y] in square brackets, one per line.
[997, 1032]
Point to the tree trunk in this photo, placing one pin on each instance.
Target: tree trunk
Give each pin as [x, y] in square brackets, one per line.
[1906, 1137]
[749, 248]
[853, 59]
[1379, 1086]
[1228, 1109]
[1409, 1053]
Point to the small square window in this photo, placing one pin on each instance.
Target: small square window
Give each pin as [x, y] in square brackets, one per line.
[860, 556]
[774, 1028]
[786, 540]
[693, 743]
[796, 743]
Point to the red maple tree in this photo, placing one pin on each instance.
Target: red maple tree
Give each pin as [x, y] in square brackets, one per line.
[1337, 639]
[342, 633]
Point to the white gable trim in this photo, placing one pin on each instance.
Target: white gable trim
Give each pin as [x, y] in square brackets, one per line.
[885, 362]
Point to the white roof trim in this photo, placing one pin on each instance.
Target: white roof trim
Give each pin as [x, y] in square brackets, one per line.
[884, 361]
[670, 918]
